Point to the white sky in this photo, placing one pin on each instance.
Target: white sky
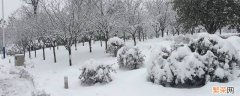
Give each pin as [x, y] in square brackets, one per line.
[10, 6]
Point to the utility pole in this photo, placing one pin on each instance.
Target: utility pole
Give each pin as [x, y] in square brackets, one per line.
[4, 52]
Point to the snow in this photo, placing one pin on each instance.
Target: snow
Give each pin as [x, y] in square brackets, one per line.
[235, 40]
[90, 64]
[116, 41]
[10, 82]
[49, 76]
[219, 72]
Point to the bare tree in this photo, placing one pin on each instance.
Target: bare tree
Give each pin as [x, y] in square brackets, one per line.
[158, 10]
[133, 18]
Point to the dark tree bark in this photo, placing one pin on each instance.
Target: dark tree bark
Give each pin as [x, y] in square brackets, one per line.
[24, 51]
[35, 52]
[220, 31]
[101, 40]
[211, 27]
[178, 31]
[192, 31]
[75, 43]
[157, 34]
[29, 51]
[162, 32]
[124, 36]
[106, 40]
[90, 45]
[54, 53]
[143, 36]
[43, 51]
[173, 32]
[70, 55]
[139, 35]
[134, 39]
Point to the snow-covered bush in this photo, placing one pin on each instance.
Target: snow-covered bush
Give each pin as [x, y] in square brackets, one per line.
[130, 58]
[94, 72]
[208, 58]
[114, 44]
[224, 57]
[40, 93]
[181, 68]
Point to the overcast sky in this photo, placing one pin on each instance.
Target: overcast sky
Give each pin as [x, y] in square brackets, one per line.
[10, 6]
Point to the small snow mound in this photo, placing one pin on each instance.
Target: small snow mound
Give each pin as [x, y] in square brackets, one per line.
[95, 72]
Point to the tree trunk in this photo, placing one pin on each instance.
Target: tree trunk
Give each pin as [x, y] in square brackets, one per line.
[143, 36]
[162, 32]
[70, 56]
[35, 52]
[90, 45]
[24, 51]
[157, 34]
[106, 40]
[178, 32]
[83, 43]
[220, 31]
[210, 29]
[106, 45]
[29, 51]
[192, 31]
[43, 52]
[134, 39]
[167, 32]
[75, 41]
[101, 41]
[54, 54]
[124, 36]
[238, 29]
[139, 35]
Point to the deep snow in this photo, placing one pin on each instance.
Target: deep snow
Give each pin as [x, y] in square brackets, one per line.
[49, 76]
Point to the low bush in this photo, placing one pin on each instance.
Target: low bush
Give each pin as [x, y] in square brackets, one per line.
[130, 58]
[209, 58]
[94, 72]
[114, 44]
[220, 55]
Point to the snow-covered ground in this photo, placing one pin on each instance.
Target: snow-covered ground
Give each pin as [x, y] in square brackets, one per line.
[49, 76]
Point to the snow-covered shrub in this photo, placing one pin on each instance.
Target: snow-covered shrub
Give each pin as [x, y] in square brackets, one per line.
[181, 68]
[130, 58]
[159, 70]
[224, 57]
[114, 44]
[94, 72]
[209, 58]
[40, 93]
